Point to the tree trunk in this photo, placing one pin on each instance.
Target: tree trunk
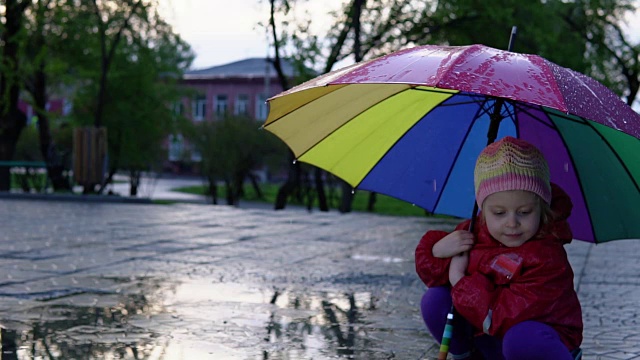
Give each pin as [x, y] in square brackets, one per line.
[256, 186]
[38, 90]
[323, 205]
[238, 186]
[107, 181]
[213, 190]
[231, 200]
[346, 199]
[11, 126]
[292, 183]
[371, 204]
[12, 119]
[134, 182]
[347, 190]
[55, 167]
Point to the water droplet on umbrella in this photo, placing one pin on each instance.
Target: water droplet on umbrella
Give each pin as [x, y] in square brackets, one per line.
[566, 167]
[295, 161]
[353, 191]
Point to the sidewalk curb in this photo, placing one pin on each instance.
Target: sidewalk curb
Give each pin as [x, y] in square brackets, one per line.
[75, 198]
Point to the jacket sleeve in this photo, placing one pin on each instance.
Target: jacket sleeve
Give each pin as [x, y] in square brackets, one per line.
[537, 292]
[432, 271]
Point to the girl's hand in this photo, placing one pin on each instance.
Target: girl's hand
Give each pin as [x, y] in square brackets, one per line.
[458, 267]
[453, 244]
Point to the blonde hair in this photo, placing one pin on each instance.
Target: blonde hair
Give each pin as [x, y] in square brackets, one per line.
[546, 213]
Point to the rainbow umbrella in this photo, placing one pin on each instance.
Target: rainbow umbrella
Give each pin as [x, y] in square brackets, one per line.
[412, 123]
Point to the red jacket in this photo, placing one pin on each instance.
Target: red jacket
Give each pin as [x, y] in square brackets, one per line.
[504, 286]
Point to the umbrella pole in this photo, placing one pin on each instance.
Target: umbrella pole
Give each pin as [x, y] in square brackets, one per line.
[492, 134]
[448, 327]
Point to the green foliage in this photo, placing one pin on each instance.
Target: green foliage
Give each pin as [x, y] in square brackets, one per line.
[584, 35]
[613, 58]
[385, 205]
[233, 147]
[28, 146]
[541, 28]
[141, 82]
[28, 150]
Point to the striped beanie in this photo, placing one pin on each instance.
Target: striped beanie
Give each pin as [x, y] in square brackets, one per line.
[511, 164]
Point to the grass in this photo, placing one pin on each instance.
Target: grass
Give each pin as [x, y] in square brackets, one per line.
[384, 204]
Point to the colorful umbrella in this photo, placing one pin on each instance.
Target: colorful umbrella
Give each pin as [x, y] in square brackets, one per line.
[411, 124]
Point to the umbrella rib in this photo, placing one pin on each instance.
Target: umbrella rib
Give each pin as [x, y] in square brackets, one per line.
[345, 123]
[411, 127]
[524, 108]
[434, 90]
[479, 113]
[475, 98]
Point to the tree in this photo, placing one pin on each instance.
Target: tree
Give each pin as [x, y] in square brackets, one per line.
[232, 149]
[43, 67]
[304, 59]
[294, 171]
[12, 119]
[612, 58]
[134, 89]
[55, 45]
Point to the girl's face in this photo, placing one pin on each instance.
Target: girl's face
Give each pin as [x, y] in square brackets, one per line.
[513, 217]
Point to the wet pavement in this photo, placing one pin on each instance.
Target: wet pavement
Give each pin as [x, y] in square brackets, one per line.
[187, 281]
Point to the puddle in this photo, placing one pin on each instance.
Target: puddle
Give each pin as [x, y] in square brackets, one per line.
[201, 319]
[258, 322]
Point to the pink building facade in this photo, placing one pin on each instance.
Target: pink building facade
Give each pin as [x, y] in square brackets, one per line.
[59, 106]
[238, 88]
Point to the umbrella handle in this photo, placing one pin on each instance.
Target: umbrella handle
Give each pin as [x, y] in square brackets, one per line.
[446, 336]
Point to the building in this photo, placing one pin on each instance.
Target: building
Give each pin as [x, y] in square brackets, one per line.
[237, 88]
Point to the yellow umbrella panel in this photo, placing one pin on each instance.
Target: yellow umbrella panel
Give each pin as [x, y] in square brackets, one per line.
[346, 129]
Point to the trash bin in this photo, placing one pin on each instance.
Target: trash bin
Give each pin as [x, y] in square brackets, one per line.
[89, 155]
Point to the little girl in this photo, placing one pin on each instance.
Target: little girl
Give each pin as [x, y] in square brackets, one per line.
[509, 280]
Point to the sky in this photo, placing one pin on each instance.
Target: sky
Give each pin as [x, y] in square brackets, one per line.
[223, 31]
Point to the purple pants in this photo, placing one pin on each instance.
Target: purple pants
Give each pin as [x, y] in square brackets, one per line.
[528, 340]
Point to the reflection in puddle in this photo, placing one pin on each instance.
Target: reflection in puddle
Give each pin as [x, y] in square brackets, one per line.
[195, 319]
[334, 324]
[68, 327]
[256, 322]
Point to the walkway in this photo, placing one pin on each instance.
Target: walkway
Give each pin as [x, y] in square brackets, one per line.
[187, 281]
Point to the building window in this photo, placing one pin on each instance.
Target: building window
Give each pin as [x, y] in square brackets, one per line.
[242, 105]
[195, 155]
[67, 107]
[176, 147]
[221, 105]
[262, 109]
[178, 108]
[199, 107]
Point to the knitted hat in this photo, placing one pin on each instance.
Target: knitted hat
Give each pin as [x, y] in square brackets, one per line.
[511, 164]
